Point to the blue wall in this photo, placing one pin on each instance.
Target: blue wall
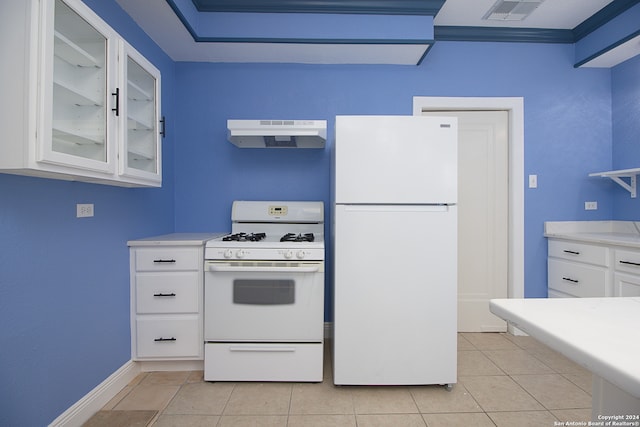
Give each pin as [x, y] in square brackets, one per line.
[64, 282]
[626, 133]
[64, 287]
[567, 128]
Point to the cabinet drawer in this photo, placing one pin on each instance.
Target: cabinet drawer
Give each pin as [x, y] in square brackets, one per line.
[580, 252]
[578, 280]
[167, 292]
[167, 259]
[263, 362]
[625, 285]
[168, 336]
[627, 261]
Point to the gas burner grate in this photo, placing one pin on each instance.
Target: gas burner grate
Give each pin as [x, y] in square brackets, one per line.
[244, 237]
[292, 237]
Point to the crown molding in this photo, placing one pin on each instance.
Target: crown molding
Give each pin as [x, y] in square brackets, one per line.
[371, 7]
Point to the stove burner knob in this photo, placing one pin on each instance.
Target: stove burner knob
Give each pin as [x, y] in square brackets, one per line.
[241, 253]
[288, 254]
[228, 253]
[300, 254]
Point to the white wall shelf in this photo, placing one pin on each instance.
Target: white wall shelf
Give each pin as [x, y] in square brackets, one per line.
[617, 176]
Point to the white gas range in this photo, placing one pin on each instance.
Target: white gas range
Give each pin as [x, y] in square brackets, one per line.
[264, 294]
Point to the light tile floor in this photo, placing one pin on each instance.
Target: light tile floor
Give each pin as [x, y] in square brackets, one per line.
[503, 380]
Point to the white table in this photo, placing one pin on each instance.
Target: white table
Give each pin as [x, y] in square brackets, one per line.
[600, 334]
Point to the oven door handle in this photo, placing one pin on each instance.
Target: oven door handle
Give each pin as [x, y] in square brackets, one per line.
[252, 269]
[261, 349]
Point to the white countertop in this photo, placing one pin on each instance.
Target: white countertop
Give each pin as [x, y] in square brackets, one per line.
[619, 233]
[601, 334]
[181, 239]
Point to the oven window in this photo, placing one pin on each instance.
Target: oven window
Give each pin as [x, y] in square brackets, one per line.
[263, 291]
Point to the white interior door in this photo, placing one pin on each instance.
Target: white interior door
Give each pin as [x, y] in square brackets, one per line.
[483, 212]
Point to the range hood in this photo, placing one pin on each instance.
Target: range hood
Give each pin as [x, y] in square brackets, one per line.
[277, 133]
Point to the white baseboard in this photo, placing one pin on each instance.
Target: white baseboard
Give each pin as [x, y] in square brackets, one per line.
[93, 401]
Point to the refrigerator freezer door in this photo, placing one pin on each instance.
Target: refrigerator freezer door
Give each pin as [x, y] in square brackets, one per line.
[395, 295]
[396, 159]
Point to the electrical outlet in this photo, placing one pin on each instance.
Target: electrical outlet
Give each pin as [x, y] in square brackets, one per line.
[533, 181]
[84, 210]
[590, 206]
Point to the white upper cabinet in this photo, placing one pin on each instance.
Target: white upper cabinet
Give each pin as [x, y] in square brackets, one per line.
[140, 108]
[84, 104]
[75, 127]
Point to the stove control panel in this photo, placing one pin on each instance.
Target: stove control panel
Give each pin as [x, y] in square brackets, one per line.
[249, 254]
[278, 211]
[290, 254]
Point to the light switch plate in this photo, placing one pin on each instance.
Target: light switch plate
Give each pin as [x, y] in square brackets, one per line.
[533, 181]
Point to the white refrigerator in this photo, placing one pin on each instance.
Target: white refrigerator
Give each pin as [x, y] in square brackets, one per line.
[395, 250]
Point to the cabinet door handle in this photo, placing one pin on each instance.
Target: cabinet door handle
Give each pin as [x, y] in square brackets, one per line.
[117, 95]
[567, 251]
[165, 295]
[165, 339]
[164, 261]
[162, 127]
[630, 263]
[568, 279]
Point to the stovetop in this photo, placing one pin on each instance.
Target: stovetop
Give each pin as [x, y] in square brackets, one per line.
[271, 231]
[267, 248]
[257, 237]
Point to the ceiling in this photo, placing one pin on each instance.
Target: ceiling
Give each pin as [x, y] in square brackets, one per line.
[229, 30]
[556, 14]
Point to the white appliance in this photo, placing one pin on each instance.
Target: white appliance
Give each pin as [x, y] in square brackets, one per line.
[395, 248]
[264, 294]
[277, 133]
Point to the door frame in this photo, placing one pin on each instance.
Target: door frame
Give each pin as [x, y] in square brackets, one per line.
[515, 107]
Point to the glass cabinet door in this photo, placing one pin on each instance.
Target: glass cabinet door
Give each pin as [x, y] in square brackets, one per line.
[141, 150]
[77, 91]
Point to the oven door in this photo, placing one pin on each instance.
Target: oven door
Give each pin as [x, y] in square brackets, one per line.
[260, 301]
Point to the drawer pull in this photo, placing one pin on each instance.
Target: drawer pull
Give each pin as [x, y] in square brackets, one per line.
[568, 279]
[165, 295]
[567, 251]
[636, 264]
[164, 261]
[165, 339]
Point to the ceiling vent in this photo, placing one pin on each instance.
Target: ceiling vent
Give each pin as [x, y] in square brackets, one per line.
[511, 10]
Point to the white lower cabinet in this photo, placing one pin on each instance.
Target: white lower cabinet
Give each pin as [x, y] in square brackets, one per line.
[576, 279]
[167, 282]
[626, 285]
[175, 336]
[579, 269]
[626, 278]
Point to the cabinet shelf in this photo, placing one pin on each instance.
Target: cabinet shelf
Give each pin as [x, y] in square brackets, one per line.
[72, 53]
[136, 93]
[142, 153]
[138, 122]
[71, 95]
[617, 176]
[61, 133]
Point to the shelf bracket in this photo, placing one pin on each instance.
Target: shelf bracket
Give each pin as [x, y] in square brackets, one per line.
[631, 187]
[617, 176]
